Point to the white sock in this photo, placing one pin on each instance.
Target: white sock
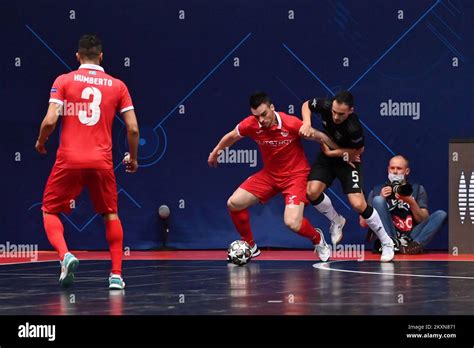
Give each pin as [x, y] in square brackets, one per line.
[376, 225]
[326, 208]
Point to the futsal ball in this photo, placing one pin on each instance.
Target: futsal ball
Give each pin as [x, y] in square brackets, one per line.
[239, 252]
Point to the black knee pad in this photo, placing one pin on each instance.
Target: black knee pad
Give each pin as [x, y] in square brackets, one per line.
[318, 200]
[367, 212]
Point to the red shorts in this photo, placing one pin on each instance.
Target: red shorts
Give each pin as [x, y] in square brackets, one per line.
[264, 186]
[64, 185]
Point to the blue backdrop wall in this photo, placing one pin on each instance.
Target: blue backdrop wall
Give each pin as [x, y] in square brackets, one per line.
[190, 67]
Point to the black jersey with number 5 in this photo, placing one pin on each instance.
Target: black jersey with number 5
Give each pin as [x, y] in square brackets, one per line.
[349, 134]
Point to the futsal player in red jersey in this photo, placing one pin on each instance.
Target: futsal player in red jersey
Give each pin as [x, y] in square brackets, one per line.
[87, 100]
[285, 170]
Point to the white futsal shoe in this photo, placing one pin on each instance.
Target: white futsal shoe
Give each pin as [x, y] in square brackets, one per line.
[68, 267]
[388, 252]
[116, 282]
[336, 229]
[322, 249]
[255, 250]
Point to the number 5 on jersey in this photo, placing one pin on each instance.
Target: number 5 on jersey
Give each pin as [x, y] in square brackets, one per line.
[355, 179]
[94, 106]
[355, 176]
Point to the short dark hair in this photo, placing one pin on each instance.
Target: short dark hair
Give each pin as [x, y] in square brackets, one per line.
[345, 97]
[90, 46]
[404, 158]
[259, 98]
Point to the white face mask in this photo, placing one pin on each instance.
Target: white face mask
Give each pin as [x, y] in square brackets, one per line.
[396, 177]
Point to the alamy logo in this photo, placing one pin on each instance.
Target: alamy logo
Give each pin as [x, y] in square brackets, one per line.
[466, 197]
[37, 331]
[238, 156]
[403, 109]
[11, 250]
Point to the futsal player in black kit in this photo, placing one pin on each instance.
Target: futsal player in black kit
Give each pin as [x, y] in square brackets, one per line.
[343, 127]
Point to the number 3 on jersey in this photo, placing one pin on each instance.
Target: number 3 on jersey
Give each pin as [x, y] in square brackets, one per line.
[94, 106]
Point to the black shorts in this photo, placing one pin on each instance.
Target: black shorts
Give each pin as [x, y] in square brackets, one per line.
[326, 169]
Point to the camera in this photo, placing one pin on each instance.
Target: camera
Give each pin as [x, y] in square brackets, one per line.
[402, 188]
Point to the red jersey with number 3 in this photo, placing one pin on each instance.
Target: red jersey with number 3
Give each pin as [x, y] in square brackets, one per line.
[90, 100]
[280, 145]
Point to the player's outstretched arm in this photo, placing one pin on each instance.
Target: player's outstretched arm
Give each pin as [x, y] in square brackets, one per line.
[47, 126]
[305, 130]
[133, 136]
[320, 137]
[349, 155]
[341, 152]
[227, 140]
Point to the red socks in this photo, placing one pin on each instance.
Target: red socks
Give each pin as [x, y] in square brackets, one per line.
[114, 235]
[308, 231]
[55, 232]
[241, 221]
[113, 231]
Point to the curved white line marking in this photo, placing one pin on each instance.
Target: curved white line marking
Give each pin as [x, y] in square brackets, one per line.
[324, 266]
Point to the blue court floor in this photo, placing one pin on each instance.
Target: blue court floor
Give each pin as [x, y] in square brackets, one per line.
[262, 287]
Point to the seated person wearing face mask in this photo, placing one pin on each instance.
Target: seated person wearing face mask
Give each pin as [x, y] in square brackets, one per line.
[403, 209]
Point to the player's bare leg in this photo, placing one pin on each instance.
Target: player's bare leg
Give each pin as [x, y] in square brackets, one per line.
[55, 232]
[114, 235]
[237, 205]
[314, 189]
[241, 199]
[322, 203]
[295, 221]
[372, 218]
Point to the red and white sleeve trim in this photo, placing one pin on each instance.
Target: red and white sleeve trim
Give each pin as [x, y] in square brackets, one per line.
[56, 101]
[126, 109]
[237, 130]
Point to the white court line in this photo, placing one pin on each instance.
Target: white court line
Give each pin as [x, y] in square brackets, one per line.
[325, 266]
[405, 260]
[24, 262]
